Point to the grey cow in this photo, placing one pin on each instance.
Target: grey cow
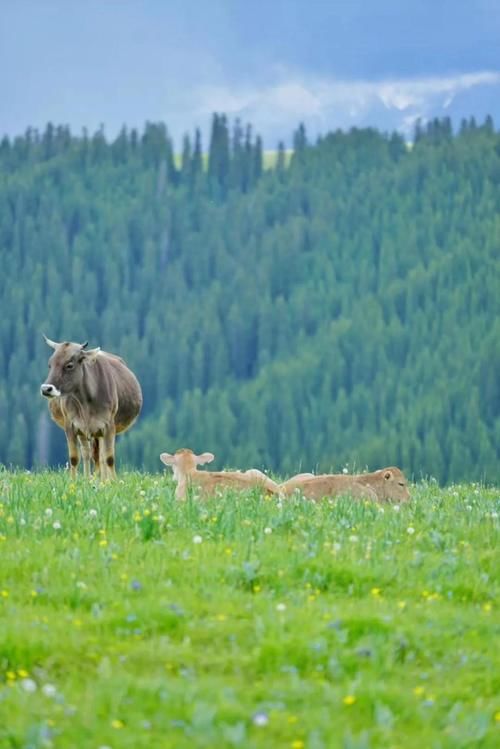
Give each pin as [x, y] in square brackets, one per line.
[93, 396]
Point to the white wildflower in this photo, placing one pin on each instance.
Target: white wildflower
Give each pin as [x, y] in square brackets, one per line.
[48, 512]
[268, 531]
[260, 719]
[28, 685]
[49, 690]
[197, 539]
[93, 513]
[410, 530]
[281, 607]
[57, 525]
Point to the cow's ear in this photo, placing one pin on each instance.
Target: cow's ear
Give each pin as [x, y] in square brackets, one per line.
[204, 458]
[84, 345]
[91, 355]
[168, 459]
[388, 475]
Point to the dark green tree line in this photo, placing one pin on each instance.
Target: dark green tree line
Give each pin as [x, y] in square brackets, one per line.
[343, 307]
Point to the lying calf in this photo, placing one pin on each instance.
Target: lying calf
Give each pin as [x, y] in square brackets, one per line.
[388, 484]
[184, 463]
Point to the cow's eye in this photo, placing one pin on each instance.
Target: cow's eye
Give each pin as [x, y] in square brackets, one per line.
[69, 365]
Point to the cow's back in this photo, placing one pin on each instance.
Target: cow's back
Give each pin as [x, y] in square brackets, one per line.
[126, 386]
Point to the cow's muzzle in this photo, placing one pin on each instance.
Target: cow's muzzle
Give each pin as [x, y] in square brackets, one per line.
[49, 391]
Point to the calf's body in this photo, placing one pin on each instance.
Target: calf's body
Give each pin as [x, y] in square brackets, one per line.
[184, 465]
[387, 484]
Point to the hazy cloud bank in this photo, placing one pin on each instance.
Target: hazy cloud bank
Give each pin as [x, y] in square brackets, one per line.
[325, 104]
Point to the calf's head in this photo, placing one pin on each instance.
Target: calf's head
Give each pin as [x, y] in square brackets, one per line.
[184, 461]
[66, 367]
[390, 484]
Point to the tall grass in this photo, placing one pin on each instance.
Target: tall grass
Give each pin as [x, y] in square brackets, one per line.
[128, 619]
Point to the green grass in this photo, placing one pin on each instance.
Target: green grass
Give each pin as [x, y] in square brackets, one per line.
[330, 624]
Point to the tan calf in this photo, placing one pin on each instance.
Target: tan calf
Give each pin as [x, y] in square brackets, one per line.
[184, 466]
[388, 484]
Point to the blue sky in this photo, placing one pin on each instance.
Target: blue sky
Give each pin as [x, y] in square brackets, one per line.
[274, 63]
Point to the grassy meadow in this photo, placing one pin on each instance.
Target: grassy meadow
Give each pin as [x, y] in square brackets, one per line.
[130, 620]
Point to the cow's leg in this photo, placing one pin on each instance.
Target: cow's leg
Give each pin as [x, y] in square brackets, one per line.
[86, 454]
[108, 452]
[74, 457]
[95, 455]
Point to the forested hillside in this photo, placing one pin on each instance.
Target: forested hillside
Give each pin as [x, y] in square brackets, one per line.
[340, 308]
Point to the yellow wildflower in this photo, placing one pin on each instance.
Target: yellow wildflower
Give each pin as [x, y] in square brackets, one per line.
[418, 691]
[117, 724]
[22, 673]
[298, 744]
[376, 592]
[4, 593]
[349, 699]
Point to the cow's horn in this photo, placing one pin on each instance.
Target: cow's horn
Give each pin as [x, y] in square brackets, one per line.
[50, 343]
[84, 345]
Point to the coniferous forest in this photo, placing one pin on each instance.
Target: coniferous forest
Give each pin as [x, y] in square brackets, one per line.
[339, 306]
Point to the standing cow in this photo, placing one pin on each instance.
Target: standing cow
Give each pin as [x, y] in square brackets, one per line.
[93, 396]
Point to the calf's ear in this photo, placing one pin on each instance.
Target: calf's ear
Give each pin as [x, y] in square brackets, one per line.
[204, 458]
[167, 459]
[388, 475]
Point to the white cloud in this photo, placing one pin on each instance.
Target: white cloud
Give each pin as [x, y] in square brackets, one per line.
[324, 103]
